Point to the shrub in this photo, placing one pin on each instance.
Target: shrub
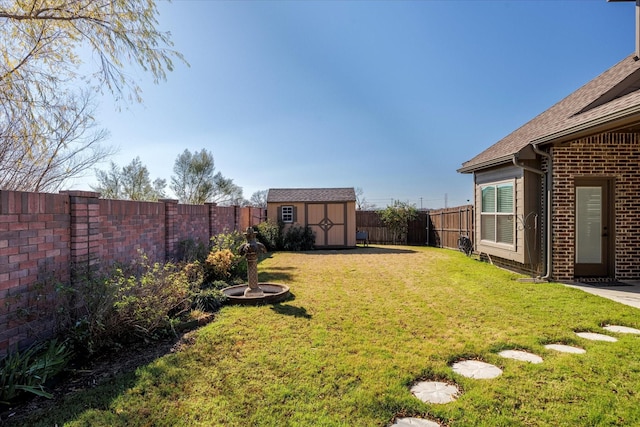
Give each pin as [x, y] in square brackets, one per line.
[195, 273]
[219, 264]
[209, 300]
[85, 312]
[231, 241]
[216, 284]
[298, 238]
[189, 250]
[144, 301]
[224, 262]
[270, 234]
[28, 371]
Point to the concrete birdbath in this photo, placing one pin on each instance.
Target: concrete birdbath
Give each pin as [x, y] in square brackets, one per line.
[254, 292]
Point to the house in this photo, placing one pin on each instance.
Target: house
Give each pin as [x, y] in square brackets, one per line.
[560, 196]
[329, 212]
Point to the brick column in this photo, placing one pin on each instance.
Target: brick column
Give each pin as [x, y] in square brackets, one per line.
[170, 222]
[213, 218]
[85, 232]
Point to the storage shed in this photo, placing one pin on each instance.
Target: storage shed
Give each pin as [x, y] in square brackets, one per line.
[329, 212]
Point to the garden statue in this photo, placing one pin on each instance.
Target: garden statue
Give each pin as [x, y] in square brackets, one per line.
[250, 251]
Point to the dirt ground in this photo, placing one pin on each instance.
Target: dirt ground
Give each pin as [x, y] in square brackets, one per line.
[93, 373]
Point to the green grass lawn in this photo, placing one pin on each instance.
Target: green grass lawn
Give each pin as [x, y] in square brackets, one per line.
[362, 327]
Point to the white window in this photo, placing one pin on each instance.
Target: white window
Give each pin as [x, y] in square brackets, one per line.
[498, 213]
[287, 214]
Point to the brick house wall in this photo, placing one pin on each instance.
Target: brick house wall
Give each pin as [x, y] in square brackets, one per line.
[614, 156]
[44, 236]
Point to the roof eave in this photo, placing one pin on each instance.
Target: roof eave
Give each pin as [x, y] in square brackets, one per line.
[597, 125]
[487, 164]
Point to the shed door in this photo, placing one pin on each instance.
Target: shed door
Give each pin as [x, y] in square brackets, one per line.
[329, 222]
[593, 228]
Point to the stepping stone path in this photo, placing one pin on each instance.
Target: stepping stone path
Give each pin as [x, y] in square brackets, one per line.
[622, 329]
[596, 337]
[435, 392]
[414, 422]
[476, 369]
[523, 356]
[440, 392]
[565, 348]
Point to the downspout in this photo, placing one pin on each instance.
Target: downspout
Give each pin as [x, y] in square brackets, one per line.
[546, 202]
[548, 197]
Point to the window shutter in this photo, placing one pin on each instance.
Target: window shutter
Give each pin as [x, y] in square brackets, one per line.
[295, 214]
[279, 213]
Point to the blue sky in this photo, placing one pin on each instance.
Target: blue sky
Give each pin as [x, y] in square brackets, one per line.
[388, 96]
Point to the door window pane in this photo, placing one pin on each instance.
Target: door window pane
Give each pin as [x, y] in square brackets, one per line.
[588, 225]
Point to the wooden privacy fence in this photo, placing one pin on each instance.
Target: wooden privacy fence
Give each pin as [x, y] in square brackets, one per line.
[440, 228]
[379, 233]
[447, 225]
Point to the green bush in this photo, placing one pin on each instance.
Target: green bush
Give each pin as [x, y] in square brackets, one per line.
[209, 300]
[298, 238]
[219, 264]
[28, 371]
[189, 251]
[224, 262]
[147, 296]
[216, 284]
[195, 273]
[124, 303]
[85, 312]
[231, 241]
[270, 234]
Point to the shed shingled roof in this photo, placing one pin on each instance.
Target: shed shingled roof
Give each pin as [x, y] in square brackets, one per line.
[579, 110]
[286, 195]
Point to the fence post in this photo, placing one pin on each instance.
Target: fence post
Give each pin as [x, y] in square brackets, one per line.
[85, 242]
[170, 223]
[213, 218]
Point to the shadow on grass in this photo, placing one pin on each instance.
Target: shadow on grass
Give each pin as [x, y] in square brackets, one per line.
[291, 310]
[367, 250]
[276, 274]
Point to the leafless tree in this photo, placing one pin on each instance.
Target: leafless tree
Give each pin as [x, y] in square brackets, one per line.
[68, 149]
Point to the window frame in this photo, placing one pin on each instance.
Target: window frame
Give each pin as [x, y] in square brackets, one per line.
[286, 212]
[496, 214]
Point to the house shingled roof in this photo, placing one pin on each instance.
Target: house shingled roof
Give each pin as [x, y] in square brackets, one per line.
[290, 195]
[565, 117]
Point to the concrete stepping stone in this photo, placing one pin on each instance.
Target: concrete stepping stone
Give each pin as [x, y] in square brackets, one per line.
[622, 329]
[523, 356]
[414, 422]
[565, 348]
[476, 369]
[596, 337]
[435, 392]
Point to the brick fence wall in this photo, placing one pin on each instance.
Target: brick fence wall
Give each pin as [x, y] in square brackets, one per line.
[44, 236]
